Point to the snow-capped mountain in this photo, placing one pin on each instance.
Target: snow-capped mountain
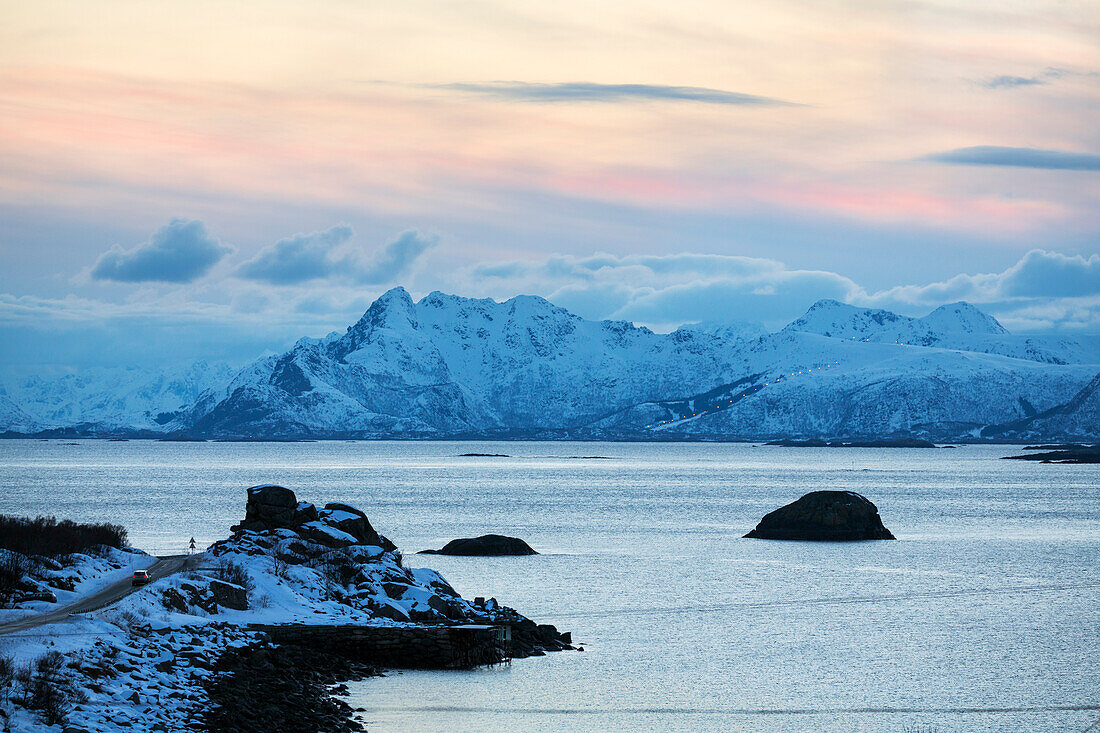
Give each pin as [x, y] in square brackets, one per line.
[817, 386]
[958, 326]
[451, 366]
[110, 398]
[14, 418]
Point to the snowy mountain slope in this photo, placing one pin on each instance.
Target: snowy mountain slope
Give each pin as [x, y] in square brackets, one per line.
[13, 418]
[384, 376]
[113, 397]
[536, 364]
[958, 326]
[879, 390]
[1075, 419]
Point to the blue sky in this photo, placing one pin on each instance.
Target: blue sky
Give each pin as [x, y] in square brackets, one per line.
[202, 180]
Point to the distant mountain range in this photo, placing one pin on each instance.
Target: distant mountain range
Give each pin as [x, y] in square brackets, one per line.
[448, 366]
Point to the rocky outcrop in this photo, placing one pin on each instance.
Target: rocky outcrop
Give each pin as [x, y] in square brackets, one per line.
[209, 595]
[824, 516]
[488, 545]
[337, 556]
[229, 595]
[271, 507]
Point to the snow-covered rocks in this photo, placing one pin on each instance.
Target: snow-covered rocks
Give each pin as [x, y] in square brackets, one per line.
[272, 507]
[162, 658]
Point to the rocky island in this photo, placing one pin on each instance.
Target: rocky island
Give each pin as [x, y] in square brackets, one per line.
[1069, 453]
[824, 516]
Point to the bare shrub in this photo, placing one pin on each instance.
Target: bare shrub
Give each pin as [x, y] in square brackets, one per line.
[130, 618]
[12, 569]
[23, 684]
[334, 572]
[45, 689]
[49, 664]
[52, 538]
[7, 675]
[279, 567]
[235, 573]
[51, 701]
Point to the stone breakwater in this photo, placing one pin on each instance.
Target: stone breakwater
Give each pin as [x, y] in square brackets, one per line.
[459, 646]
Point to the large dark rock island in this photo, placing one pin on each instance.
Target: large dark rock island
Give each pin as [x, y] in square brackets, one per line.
[487, 545]
[824, 516]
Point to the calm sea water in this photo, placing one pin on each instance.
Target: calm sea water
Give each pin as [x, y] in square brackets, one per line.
[984, 616]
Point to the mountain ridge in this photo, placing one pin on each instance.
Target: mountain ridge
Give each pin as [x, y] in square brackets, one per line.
[451, 366]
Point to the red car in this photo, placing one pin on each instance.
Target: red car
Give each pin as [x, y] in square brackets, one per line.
[140, 577]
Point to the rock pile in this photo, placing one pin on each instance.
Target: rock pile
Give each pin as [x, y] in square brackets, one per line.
[824, 516]
[272, 507]
[284, 689]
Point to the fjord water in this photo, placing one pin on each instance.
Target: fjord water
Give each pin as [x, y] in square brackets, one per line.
[983, 616]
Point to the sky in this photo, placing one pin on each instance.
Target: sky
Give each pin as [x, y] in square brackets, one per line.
[186, 180]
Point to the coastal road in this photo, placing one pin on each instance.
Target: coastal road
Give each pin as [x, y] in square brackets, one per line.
[163, 567]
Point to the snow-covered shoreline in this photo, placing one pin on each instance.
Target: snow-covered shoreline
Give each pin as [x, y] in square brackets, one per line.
[142, 662]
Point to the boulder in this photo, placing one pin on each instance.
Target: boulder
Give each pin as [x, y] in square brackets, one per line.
[269, 507]
[349, 519]
[389, 610]
[484, 546]
[173, 600]
[824, 516]
[305, 512]
[229, 595]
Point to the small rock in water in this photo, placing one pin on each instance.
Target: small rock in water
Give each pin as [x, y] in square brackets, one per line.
[484, 546]
[824, 516]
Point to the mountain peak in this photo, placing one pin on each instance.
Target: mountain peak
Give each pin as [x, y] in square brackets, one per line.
[395, 301]
[828, 304]
[394, 296]
[962, 317]
[392, 309]
[527, 306]
[830, 317]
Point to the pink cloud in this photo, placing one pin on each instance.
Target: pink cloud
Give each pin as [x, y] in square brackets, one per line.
[381, 147]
